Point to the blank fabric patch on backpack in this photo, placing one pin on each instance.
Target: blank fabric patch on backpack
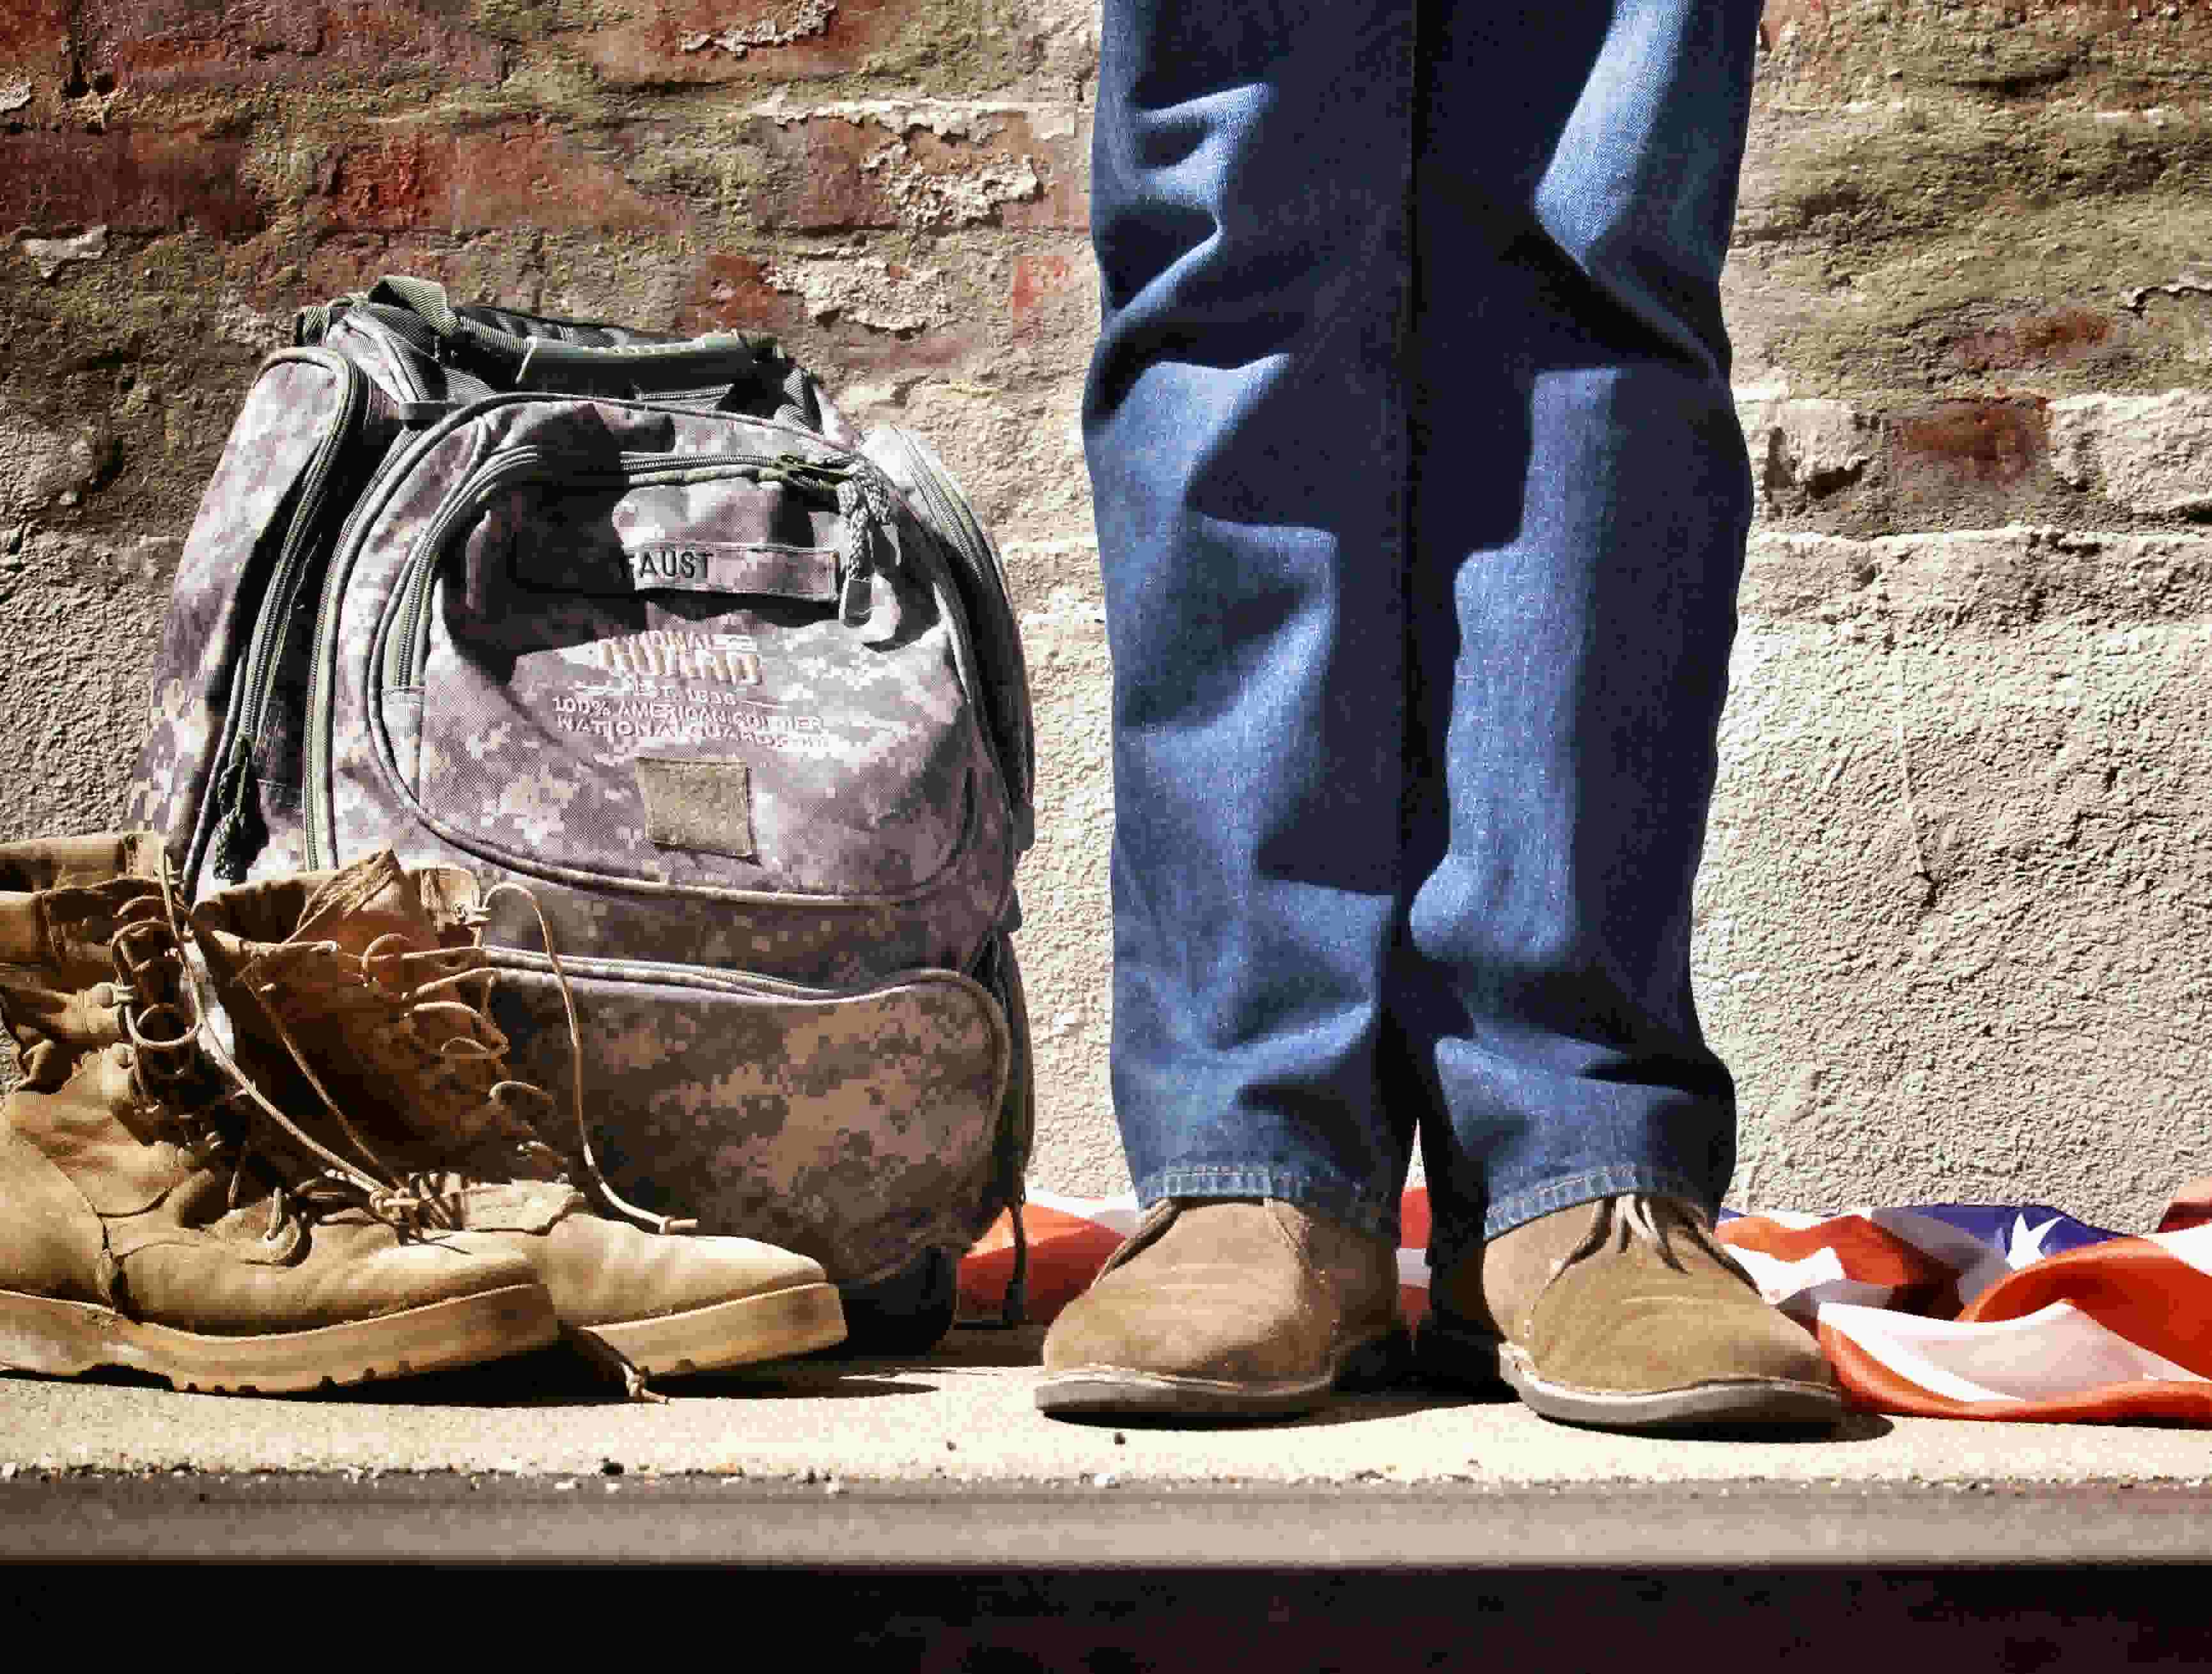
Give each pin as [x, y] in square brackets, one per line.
[645, 626]
[703, 805]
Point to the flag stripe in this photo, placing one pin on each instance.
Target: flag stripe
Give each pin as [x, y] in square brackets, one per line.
[2034, 1357]
[1862, 1251]
[2130, 1286]
[1871, 1384]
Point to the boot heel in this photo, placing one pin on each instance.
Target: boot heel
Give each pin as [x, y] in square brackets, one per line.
[54, 1338]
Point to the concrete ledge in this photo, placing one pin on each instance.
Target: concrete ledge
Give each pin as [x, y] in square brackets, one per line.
[961, 1528]
[964, 1420]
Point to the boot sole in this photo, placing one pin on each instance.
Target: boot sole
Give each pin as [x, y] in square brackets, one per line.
[738, 1332]
[1720, 1403]
[1106, 1392]
[64, 1339]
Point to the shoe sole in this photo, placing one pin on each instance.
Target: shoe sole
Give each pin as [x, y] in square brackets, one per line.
[738, 1332]
[64, 1339]
[1107, 1391]
[1719, 1403]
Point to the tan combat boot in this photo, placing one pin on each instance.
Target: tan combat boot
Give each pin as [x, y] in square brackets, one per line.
[148, 1218]
[370, 985]
[1226, 1308]
[1624, 1314]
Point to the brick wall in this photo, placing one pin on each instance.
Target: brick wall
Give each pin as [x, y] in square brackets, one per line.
[1952, 919]
[1953, 914]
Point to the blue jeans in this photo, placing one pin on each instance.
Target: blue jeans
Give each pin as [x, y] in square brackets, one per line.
[1421, 506]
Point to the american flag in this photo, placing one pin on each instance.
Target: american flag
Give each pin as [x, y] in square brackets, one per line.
[2015, 1311]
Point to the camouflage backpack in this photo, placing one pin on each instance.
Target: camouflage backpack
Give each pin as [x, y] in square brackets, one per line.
[643, 624]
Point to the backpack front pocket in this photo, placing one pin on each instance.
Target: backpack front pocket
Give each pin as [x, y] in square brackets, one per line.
[860, 1128]
[712, 672]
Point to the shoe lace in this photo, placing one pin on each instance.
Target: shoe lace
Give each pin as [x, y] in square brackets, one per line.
[171, 1046]
[1655, 1221]
[447, 1008]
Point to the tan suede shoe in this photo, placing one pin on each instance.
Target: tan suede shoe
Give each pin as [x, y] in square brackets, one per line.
[1624, 1314]
[1237, 1307]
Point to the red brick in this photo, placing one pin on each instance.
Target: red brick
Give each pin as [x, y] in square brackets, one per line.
[844, 353]
[2060, 337]
[1968, 463]
[659, 42]
[131, 181]
[1038, 276]
[1063, 167]
[489, 182]
[35, 35]
[1811, 17]
[146, 44]
[730, 292]
[1995, 441]
[830, 172]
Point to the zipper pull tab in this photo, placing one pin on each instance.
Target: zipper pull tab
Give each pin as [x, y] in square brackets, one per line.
[239, 834]
[814, 475]
[856, 596]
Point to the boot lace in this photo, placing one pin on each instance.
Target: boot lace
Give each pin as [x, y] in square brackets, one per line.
[443, 996]
[172, 1046]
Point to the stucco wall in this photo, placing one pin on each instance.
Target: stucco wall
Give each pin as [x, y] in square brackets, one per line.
[1953, 916]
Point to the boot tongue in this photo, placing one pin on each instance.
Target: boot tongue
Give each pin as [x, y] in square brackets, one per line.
[370, 899]
[375, 897]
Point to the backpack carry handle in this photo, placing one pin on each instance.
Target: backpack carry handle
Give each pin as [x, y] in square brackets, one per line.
[719, 356]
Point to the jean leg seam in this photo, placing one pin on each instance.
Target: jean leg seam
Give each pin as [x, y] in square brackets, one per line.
[1355, 1207]
[1587, 1186]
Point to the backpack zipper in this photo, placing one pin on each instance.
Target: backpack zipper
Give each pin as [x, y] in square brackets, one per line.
[410, 635]
[947, 512]
[730, 980]
[318, 827]
[317, 832]
[237, 835]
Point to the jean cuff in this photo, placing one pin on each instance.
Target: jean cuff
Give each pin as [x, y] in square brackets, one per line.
[1362, 1211]
[1448, 1245]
